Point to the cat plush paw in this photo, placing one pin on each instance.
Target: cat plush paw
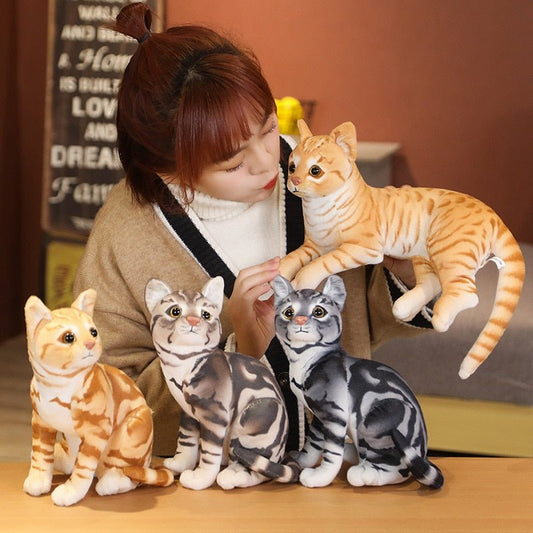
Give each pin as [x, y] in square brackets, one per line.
[197, 479]
[365, 474]
[114, 482]
[181, 462]
[317, 477]
[37, 483]
[237, 476]
[66, 495]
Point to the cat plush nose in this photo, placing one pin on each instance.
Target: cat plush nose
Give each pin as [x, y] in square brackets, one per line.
[296, 181]
[89, 345]
[300, 320]
[193, 320]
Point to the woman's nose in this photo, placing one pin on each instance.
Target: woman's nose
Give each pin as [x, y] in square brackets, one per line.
[261, 158]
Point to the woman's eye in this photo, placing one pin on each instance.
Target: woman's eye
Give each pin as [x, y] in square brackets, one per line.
[235, 168]
[206, 315]
[272, 127]
[69, 337]
[316, 171]
[319, 312]
[174, 311]
[288, 313]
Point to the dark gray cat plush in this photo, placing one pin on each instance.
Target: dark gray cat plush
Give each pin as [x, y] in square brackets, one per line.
[232, 408]
[348, 396]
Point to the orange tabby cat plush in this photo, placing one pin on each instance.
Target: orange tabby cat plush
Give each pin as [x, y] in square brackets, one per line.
[448, 235]
[105, 421]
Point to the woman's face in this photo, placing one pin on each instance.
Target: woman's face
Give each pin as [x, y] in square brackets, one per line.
[251, 173]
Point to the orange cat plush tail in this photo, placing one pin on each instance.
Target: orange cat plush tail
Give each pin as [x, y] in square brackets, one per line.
[448, 236]
[105, 421]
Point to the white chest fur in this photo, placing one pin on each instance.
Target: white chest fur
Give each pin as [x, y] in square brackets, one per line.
[299, 367]
[53, 401]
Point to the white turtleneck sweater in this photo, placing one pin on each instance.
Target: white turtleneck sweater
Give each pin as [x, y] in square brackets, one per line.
[242, 234]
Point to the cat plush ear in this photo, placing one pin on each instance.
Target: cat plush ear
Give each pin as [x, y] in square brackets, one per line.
[34, 312]
[303, 128]
[85, 301]
[335, 290]
[213, 290]
[346, 137]
[154, 292]
[282, 288]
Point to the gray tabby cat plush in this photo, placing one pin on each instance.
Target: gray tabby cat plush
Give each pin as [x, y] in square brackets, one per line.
[348, 396]
[230, 402]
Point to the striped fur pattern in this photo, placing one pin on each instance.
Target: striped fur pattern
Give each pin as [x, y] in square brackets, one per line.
[448, 235]
[105, 423]
[348, 397]
[232, 408]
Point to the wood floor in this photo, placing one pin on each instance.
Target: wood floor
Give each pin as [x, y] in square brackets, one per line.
[15, 406]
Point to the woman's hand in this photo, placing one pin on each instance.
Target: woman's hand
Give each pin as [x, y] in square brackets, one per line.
[253, 319]
[401, 268]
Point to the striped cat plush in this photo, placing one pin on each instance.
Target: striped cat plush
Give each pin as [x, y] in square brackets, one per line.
[359, 398]
[105, 421]
[448, 235]
[231, 404]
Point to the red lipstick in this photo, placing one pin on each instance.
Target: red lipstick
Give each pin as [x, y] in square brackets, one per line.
[271, 184]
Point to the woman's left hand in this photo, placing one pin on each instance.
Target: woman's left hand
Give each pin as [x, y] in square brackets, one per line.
[253, 319]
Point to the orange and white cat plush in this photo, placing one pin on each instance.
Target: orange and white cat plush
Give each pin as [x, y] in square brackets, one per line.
[448, 235]
[106, 424]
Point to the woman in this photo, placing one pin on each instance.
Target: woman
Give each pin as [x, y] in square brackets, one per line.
[204, 195]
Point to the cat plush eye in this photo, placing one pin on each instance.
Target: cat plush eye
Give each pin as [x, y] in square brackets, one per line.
[292, 167]
[206, 315]
[174, 311]
[69, 337]
[315, 171]
[94, 333]
[288, 313]
[319, 312]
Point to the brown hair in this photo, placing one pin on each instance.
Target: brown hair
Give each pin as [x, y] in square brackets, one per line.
[185, 101]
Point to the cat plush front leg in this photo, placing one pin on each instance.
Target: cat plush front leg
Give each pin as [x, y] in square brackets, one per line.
[65, 453]
[39, 479]
[78, 484]
[331, 449]
[211, 447]
[345, 257]
[186, 456]
[293, 262]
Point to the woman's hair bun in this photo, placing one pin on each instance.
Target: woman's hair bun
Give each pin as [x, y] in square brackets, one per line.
[134, 20]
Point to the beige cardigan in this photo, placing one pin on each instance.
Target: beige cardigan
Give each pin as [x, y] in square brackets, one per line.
[129, 245]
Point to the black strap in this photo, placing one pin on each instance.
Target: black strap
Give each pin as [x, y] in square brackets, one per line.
[215, 266]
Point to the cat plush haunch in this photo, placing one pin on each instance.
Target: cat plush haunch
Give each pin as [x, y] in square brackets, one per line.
[448, 236]
[363, 399]
[231, 406]
[103, 417]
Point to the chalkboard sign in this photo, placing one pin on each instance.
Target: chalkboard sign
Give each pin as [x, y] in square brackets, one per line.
[85, 65]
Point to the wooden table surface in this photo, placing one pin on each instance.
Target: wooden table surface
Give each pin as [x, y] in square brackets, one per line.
[479, 495]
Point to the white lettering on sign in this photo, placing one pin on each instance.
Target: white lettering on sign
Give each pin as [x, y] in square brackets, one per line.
[100, 131]
[82, 193]
[102, 61]
[92, 157]
[78, 32]
[101, 13]
[94, 107]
